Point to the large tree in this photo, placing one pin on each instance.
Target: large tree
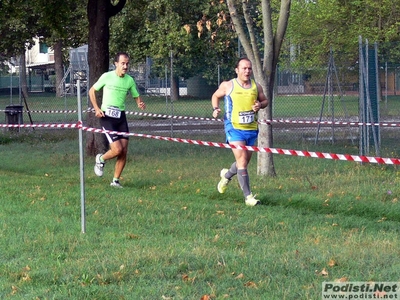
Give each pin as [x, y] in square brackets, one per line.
[246, 15]
[58, 23]
[18, 26]
[196, 33]
[99, 13]
[63, 24]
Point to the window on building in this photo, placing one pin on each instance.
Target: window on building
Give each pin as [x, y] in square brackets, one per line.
[43, 48]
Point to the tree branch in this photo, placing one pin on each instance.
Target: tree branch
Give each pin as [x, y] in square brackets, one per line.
[281, 27]
[253, 40]
[114, 9]
[268, 36]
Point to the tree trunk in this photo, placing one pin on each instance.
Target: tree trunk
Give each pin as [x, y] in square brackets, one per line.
[99, 13]
[58, 66]
[265, 161]
[22, 70]
[174, 88]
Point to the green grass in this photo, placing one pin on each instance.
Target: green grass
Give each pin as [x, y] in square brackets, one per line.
[170, 235]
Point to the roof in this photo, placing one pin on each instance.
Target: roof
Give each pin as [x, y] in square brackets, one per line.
[43, 65]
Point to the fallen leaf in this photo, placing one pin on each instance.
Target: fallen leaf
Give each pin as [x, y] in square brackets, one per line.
[332, 263]
[14, 289]
[220, 263]
[324, 272]
[185, 277]
[117, 275]
[205, 297]
[26, 268]
[26, 277]
[132, 236]
[239, 276]
[250, 284]
[343, 279]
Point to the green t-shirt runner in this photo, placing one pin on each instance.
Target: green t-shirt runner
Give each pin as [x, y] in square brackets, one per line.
[115, 85]
[115, 89]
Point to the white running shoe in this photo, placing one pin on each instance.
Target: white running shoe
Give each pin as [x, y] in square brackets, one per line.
[251, 201]
[116, 183]
[223, 183]
[98, 166]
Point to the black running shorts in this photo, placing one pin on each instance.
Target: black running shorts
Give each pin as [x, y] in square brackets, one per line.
[114, 124]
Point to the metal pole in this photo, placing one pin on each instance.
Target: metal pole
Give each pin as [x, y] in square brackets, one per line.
[386, 85]
[170, 91]
[11, 101]
[81, 162]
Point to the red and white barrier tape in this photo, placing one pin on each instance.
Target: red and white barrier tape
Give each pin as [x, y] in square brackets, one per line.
[40, 125]
[307, 122]
[333, 156]
[69, 111]
[264, 122]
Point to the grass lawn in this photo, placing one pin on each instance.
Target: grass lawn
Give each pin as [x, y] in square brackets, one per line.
[168, 234]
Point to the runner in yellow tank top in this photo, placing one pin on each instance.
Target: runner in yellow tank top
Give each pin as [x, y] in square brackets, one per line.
[239, 103]
[243, 99]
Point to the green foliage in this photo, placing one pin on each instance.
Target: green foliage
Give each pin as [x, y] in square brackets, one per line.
[197, 34]
[18, 26]
[51, 21]
[317, 26]
[63, 20]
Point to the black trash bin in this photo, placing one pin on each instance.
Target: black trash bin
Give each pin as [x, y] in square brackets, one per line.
[14, 115]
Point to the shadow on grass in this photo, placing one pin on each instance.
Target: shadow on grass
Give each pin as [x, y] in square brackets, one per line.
[306, 204]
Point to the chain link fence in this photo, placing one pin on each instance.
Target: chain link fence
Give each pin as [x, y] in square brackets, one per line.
[311, 108]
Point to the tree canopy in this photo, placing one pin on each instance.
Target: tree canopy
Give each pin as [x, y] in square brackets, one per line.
[197, 33]
[317, 26]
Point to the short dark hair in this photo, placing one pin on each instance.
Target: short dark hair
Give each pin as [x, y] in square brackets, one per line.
[240, 59]
[116, 58]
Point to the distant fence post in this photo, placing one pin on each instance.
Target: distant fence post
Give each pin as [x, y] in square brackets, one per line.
[368, 99]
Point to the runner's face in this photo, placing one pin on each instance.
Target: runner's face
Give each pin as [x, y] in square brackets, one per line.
[121, 66]
[244, 70]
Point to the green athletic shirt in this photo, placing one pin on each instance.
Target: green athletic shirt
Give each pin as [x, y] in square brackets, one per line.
[115, 89]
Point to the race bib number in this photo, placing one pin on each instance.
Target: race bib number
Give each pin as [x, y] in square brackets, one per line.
[246, 117]
[113, 112]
